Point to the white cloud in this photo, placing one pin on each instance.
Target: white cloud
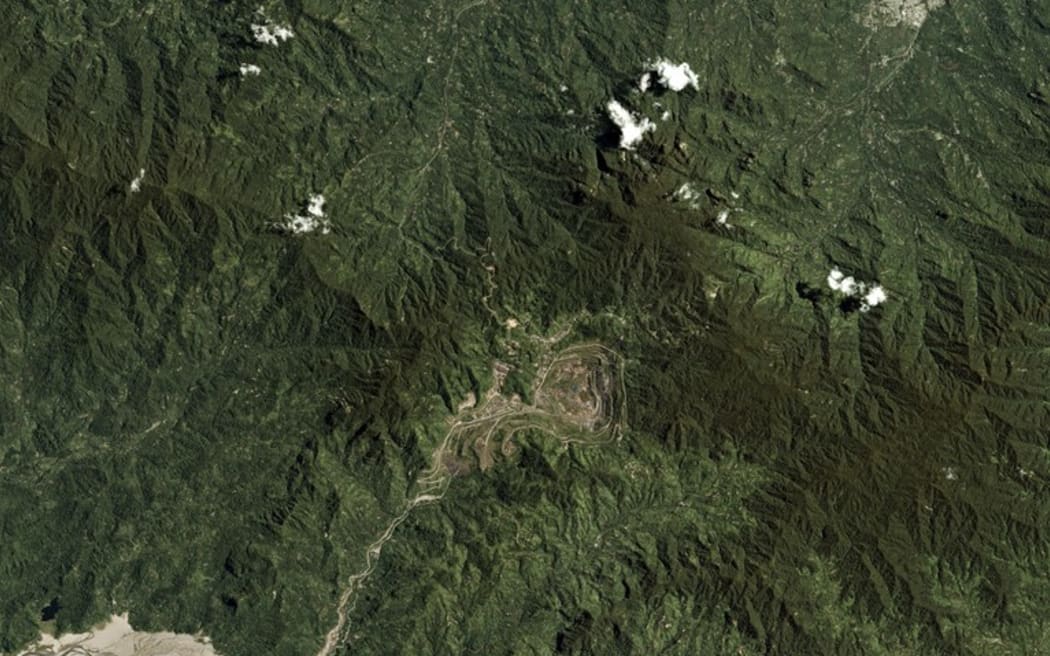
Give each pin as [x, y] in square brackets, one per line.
[645, 81]
[297, 224]
[313, 221]
[843, 283]
[271, 33]
[316, 207]
[632, 127]
[876, 296]
[723, 218]
[136, 184]
[250, 69]
[672, 76]
[869, 294]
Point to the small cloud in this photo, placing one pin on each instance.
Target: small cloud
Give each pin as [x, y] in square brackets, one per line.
[669, 75]
[136, 184]
[632, 127]
[875, 296]
[316, 206]
[864, 296]
[842, 283]
[270, 32]
[300, 225]
[645, 81]
[250, 69]
[313, 221]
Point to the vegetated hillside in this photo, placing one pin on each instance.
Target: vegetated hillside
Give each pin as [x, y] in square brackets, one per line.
[206, 419]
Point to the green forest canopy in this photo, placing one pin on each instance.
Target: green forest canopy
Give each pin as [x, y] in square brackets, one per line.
[206, 420]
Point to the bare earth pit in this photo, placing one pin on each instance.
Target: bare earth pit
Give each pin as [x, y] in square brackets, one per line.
[577, 397]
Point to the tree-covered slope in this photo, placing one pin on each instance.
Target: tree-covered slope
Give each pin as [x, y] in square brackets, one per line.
[206, 419]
